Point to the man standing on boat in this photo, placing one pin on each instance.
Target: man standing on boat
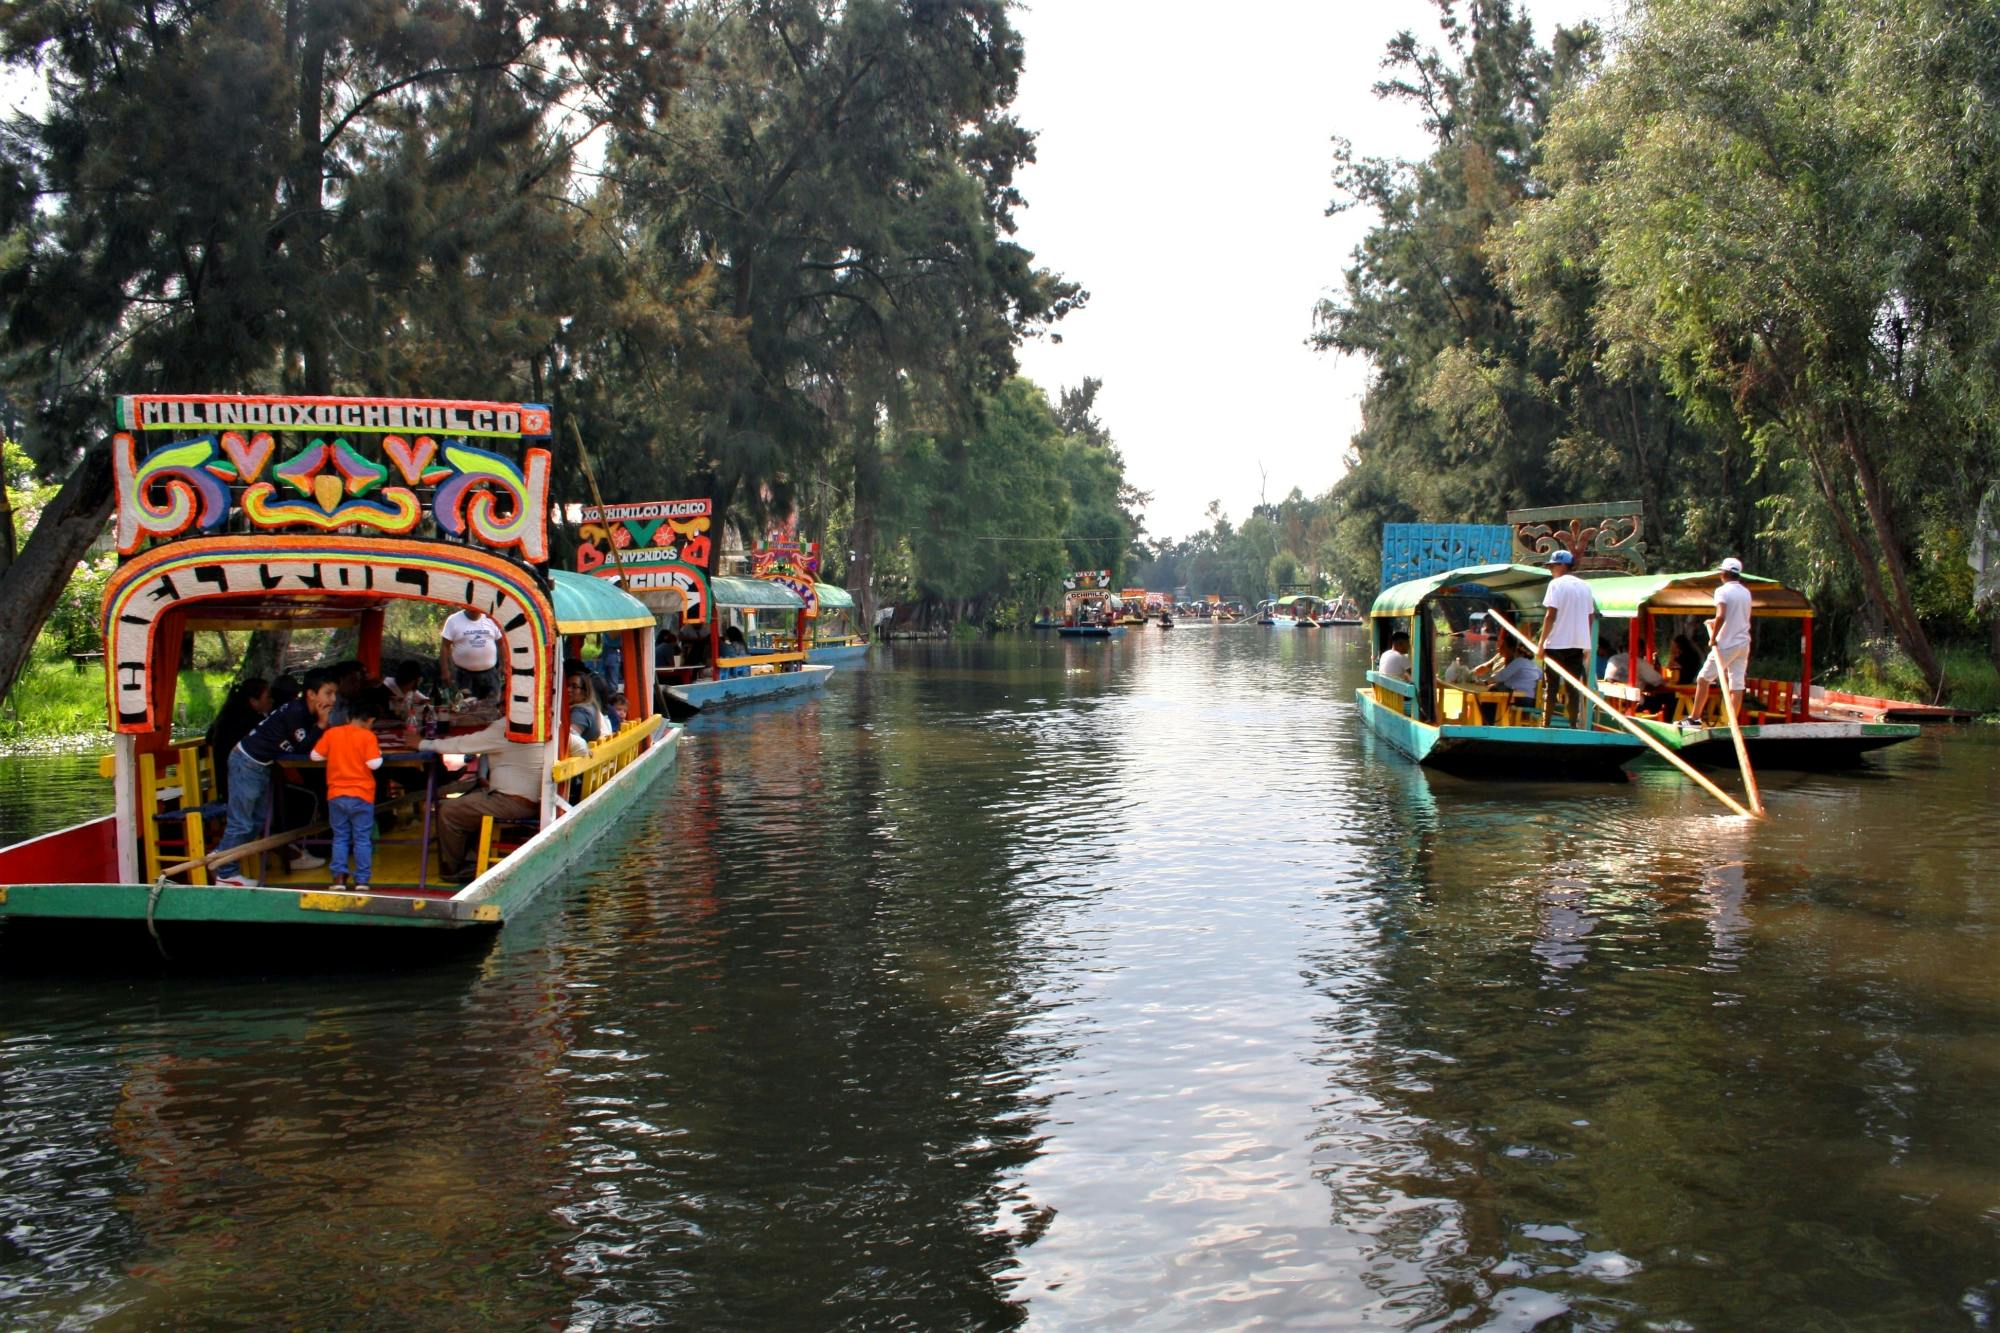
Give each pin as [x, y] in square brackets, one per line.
[1567, 632]
[1729, 632]
[471, 651]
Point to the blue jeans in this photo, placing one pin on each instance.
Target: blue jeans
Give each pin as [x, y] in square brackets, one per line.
[249, 805]
[465, 679]
[353, 830]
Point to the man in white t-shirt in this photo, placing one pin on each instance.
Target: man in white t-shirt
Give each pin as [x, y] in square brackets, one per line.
[1567, 632]
[471, 651]
[1395, 662]
[1729, 632]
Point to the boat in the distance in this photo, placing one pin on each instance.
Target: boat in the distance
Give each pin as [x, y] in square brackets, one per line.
[311, 513]
[1463, 729]
[836, 638]
[715, 651]
[1090, 609]
[1786, 722]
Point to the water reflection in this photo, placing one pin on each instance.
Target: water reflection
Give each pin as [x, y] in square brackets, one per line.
[1087, 984]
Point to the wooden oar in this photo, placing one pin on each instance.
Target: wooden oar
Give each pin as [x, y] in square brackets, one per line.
[1647, 737]
[1735, 731]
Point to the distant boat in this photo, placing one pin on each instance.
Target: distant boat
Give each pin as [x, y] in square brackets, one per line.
[723, 681]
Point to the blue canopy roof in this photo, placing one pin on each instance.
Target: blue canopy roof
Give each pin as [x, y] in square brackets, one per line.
[586, 605]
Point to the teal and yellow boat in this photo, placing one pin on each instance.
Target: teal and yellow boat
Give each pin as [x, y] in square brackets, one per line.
[1642, 613]
[1463, 729]
[239, 512]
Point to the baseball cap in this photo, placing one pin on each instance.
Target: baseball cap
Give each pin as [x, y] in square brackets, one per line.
[1562, 558]
[1732, 564]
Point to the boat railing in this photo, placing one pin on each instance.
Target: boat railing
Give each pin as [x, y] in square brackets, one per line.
[608, 757]
[760, 660]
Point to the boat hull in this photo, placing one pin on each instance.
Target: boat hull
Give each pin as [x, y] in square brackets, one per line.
[484, 904]
[1091, 631]
[1516, 753]
[1802, 746]
[707, 694]
[830, 654]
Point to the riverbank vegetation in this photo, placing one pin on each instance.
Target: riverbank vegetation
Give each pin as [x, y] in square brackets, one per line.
[758, 252]
[1735, 265]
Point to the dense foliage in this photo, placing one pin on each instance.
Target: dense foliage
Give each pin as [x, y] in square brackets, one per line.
[1740, 271]
[753, 249]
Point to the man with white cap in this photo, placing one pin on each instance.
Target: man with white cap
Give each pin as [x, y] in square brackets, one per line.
[1567, 632]
[1729, 632]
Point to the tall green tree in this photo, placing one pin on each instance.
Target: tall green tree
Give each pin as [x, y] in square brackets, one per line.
[1790, 207]
[242, 193]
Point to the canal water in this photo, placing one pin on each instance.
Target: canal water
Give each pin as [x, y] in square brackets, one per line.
[1074, 985]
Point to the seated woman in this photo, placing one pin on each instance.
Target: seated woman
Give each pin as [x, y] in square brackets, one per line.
[734, 645]
[1510, 669]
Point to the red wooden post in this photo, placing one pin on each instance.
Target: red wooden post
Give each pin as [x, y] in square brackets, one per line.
[368, 646]
[1805, 673]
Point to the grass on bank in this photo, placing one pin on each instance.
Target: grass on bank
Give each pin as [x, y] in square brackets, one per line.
[1971, 679]
[52, 698]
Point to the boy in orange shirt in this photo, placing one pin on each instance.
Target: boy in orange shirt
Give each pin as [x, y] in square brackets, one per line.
[352, 755]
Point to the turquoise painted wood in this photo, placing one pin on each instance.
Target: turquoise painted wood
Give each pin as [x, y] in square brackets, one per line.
[828, 654]
[748, 689]
[1091, 631]
[1525, 753]
[486, 903]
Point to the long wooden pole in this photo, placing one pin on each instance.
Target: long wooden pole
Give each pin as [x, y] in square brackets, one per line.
[597, 498]
[1647, 737]
[1735, 731]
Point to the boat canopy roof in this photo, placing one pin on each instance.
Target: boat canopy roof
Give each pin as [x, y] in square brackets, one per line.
[586, 605]
[1624, 596]
[839, 598]
[753, 594]
[1519, 586]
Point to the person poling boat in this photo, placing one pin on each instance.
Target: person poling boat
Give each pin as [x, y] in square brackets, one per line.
[1655, 619]
[239, 511]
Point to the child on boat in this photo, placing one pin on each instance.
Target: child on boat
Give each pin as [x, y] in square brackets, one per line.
[352, 755]
[287, 732]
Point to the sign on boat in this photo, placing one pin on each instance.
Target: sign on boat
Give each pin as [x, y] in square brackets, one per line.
[238, 511]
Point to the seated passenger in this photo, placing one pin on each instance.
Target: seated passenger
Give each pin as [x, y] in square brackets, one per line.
[1512, 670]
[512, 790]
[1618, 669]
[734, 645]
[1395, 661]
[402, 685]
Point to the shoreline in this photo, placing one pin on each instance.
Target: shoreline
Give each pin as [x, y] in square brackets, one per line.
[77, 742]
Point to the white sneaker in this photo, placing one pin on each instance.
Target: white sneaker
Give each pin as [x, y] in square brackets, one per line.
[238, 881]
[307, 861]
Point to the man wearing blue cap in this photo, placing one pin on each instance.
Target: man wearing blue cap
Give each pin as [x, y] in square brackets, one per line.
[1567, 632]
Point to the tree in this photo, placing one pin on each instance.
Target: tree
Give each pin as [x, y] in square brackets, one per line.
[216, 190]
[1789, 207]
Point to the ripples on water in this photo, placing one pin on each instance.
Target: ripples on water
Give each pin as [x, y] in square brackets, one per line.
[1086, 984]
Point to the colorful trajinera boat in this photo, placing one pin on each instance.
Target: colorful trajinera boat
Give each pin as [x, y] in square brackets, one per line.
[836, 639]
[1464, 729]
[245, 511]
[1090, 610]
[661, 550]
[1783, 725]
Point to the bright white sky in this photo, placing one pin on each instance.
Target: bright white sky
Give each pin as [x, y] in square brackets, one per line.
[1183, 173]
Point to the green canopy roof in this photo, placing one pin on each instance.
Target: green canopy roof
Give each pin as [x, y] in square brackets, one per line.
[1518, 585]
[1621, 597]
[836, 597]
[586, 605]
[753, 594]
